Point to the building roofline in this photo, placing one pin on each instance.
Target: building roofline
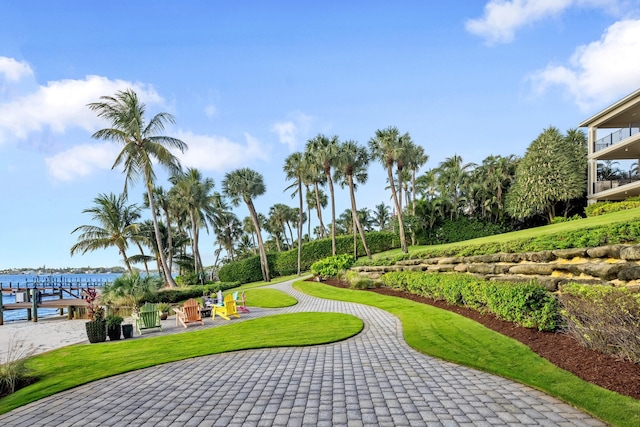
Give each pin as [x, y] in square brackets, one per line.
[609, 109]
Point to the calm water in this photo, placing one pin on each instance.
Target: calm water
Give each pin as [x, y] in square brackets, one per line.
[94, 280]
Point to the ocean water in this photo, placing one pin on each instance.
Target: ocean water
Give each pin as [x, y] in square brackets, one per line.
[13, 280]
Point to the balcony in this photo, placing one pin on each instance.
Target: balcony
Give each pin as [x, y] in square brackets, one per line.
[617, 136]
[617, 189]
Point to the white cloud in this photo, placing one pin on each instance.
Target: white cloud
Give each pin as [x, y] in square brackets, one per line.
[601, 71]
[13, 70]
[81, 161]
[218, 153]
[289, 131]
[502, 18]
[61, 105]
[210, 111]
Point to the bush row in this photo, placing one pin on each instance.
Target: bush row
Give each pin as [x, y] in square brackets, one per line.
[602, 208]
[527, 304]
[331, 266]
[172, 296]
[603, 318]
[286, 263]
[619, 233]
[460, 229]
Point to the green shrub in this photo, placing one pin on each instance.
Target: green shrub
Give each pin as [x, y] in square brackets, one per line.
[527, 304]
[602, 208]
[173, 296]
[331, 266]
[460, 229]
[247, 270]
[603, 318]
[13, 370]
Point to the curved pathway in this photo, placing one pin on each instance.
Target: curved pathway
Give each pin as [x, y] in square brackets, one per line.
[373, 379]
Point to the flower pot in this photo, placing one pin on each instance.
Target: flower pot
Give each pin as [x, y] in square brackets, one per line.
[127, 330]
[164, 316]
[114, 332]
[96, 331]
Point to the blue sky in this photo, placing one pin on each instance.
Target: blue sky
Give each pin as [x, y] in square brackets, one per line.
[249, 82]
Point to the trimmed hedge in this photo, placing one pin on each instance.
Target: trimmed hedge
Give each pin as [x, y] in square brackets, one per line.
[602, 208]
[286, 263]
[172, 296]
[331, 266]
[527, 304]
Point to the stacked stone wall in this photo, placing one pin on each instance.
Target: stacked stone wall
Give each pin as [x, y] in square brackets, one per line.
[615, 265]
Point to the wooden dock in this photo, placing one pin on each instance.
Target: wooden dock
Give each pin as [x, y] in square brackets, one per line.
[68, 298]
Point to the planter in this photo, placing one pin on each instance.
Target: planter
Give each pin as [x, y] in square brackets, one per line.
[127, 331]
[164, 316]
[96, 331]
[114, 332]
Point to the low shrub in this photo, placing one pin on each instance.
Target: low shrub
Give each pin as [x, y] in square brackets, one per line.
[602, 208]
[172, 296]
[527, 304]
[603, 318]
[331, 266]
[13, 370]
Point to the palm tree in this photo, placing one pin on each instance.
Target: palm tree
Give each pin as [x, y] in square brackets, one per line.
[352, 161]
[278, 215]
[451, 178]
[323, 151]
[141, 147]
[295, 169]
[415, 160]
[381, 216]
[387, 148]
[163, 204]
[194, 195]
[116, 226]
[246, 184]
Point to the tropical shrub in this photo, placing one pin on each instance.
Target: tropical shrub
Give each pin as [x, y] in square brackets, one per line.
[603, 318]
[602, 208]
[131, 290]
[331, 266]
[13, 370]
[527, 304]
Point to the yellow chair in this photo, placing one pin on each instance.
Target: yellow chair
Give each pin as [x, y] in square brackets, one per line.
[228, 309]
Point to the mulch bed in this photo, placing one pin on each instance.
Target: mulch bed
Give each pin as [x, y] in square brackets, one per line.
[560, 349]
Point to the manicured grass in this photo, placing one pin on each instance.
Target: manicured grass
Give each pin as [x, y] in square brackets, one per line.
[269, 298]
[75, 365]
[562, 227]
[452, 337]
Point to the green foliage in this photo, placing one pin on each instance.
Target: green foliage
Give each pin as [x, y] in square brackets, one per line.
[113, 320]
[247, 270]
[527, 304]
[130, 290]
[460, 229]
[559, 219]
[331, 266]
[286, 263]
[187, 279]
[172, 296]
[602, 208]
[603, 318]
[551, 171]
[13, 369]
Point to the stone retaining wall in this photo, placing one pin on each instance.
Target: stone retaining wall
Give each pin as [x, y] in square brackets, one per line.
[615, 265]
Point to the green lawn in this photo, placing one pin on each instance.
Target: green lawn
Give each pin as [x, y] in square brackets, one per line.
[75, 365]
[451, 337]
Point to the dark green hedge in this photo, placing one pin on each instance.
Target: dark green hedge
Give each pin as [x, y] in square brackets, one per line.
[460, 229]
[286, 263]
[172, 296]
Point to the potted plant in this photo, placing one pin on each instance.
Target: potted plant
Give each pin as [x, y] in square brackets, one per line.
[114, 328]
[96, 328]
[164, 308]
[127, 330]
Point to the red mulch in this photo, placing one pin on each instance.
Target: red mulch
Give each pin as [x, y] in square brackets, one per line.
[560, 349]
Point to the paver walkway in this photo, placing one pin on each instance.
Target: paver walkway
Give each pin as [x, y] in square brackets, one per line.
[373, 379]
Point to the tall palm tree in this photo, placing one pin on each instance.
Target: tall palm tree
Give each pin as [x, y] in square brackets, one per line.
[415, 160]
[162, 199]
[387, 148]
[352, 162]
[115, 227]
[245, 184]
[278, 215]
[295, 169]
[452, 174]
[324, 151]
[142, 146]
[193, 193]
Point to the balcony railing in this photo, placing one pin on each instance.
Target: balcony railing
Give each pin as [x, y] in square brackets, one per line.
[599, 186]
[617, 136]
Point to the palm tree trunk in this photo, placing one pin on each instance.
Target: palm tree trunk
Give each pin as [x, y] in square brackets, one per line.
[333, 215]
[197, 266]
[263, 254]
[403, 239]
[356, 220]
[144, 261]
[156, 228]
[300, 225]
[413, 192]
[319, 210]
[126, 260]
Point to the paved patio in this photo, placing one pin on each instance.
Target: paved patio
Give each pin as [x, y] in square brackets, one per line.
[373, 379]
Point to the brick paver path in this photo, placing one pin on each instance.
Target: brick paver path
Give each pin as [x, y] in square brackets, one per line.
[373, 379]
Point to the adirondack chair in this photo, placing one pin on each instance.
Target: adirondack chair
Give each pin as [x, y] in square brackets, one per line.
[241, 303]
[148, 318]
[228, 309]
[189, 314]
